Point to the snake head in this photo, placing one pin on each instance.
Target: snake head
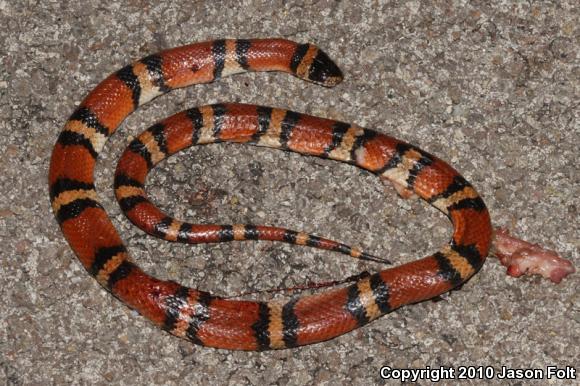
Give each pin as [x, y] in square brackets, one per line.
[312, 64]
[324, 71]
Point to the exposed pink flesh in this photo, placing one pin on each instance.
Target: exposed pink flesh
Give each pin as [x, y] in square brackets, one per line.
[524, 258]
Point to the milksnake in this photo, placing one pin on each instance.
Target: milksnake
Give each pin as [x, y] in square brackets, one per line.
[214, 321]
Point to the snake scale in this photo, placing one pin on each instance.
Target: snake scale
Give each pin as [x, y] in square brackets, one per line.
[197, 315]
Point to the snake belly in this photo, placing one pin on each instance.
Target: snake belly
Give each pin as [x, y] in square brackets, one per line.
[197, 315]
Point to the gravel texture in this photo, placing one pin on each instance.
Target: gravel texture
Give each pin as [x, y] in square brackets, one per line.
[492, 89]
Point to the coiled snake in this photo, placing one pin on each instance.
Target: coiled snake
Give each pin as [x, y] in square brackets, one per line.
[236, 324]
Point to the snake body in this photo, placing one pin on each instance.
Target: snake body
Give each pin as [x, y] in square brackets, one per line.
[197, 315]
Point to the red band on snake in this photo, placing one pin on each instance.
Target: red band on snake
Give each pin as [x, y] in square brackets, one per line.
[196, 315]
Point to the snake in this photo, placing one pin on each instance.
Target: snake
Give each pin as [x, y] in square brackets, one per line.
[236, 324]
